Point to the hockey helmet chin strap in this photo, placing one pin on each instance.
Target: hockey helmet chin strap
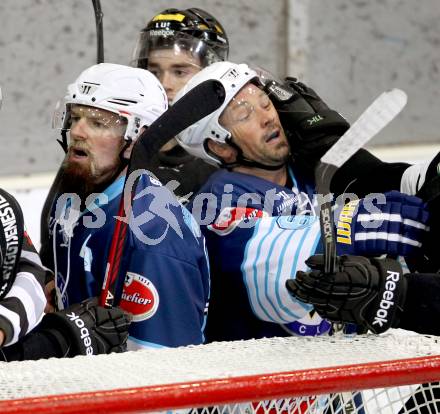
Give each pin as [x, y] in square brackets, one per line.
[243, 161]
[63, 141]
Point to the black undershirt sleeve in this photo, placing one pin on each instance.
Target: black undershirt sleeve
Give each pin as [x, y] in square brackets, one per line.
[421, 312]
[43, 344]
[364, 173]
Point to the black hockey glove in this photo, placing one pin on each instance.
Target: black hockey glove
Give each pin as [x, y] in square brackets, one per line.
[89, 329]
[368, 293]
[310, 125]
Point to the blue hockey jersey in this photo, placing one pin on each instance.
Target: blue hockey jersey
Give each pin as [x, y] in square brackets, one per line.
[164, 274]
[258, 235]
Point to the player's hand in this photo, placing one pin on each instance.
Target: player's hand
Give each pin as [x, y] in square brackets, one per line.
[91, 329]
[50, 292]
[310, 125]
[369, 293]
[396, 225]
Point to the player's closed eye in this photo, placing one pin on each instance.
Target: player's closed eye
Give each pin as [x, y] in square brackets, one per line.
[243, 111]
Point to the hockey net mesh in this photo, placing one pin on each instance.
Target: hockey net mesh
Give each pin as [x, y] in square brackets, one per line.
[390, 373]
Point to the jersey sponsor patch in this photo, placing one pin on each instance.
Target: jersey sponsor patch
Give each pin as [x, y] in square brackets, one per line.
[231, 217]
[139, 297]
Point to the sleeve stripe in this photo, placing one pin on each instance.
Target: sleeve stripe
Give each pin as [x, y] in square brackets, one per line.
[253, 277]
[290, 273]
[383, 235]
[26, 298]
[35, 298]
[304, 251]
[397, 218]
[277, 277]
[32, 257]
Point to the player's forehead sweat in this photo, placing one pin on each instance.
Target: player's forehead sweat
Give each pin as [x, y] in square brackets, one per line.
[97, 118]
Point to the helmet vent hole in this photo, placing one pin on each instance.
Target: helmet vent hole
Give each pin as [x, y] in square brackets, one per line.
[74, 96]
[233, 85]
[93, 99]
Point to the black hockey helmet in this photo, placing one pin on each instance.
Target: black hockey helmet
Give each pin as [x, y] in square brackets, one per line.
[192, 30]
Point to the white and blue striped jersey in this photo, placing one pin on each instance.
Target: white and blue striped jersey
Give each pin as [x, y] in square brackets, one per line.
[259, 234]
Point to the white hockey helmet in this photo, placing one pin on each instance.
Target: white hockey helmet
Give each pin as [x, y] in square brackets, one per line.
[132, 93]
[233, 77]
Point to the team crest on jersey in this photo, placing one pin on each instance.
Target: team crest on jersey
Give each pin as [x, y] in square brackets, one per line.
[231, 217]
[140, 297]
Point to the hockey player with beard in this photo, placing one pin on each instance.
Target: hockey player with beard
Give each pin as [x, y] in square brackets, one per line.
[164, 278]
[174, 45]
[257, 212]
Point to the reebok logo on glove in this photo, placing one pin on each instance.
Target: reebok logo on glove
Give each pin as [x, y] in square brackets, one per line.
[85, 335]
[381, 317]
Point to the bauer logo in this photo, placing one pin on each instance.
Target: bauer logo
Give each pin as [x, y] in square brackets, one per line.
[139, 297]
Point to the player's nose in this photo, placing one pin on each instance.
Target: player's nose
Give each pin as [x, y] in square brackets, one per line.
[267, 117]
[168, 83]
[78, 129]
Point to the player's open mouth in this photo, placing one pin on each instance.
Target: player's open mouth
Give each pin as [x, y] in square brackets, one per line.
[274, 135]
[78, 153]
